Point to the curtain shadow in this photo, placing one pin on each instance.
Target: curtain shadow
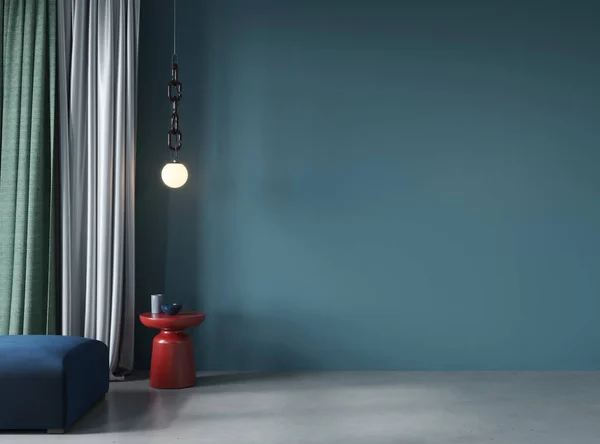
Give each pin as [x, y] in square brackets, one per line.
[132, 410]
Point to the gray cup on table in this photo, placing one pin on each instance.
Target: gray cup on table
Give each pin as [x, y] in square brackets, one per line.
[157, 300]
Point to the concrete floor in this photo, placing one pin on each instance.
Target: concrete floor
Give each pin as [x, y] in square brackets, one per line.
[347, 407]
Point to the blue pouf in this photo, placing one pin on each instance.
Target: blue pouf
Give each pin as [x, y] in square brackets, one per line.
[49, 382]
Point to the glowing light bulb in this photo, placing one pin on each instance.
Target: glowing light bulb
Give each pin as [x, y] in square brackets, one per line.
[174, 174]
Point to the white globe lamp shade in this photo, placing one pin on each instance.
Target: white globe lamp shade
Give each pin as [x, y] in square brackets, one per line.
[174, 174]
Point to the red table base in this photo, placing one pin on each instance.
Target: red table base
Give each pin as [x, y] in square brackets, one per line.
[172, 361]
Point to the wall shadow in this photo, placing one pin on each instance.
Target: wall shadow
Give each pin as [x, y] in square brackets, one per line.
[232, 378]
[167, 220]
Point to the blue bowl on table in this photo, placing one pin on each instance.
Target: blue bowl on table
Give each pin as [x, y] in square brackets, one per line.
[170, 309]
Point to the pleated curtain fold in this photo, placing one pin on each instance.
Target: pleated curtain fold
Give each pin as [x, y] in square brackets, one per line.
[97, 84]
[27, 155]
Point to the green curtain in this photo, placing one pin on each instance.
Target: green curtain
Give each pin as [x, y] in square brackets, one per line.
[27, 150]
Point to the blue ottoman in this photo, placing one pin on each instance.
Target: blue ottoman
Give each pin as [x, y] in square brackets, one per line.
[49, 382]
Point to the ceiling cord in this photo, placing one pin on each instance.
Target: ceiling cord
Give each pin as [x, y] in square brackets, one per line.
[174, 28]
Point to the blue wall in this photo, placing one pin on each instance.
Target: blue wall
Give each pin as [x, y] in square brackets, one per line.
[376, 184]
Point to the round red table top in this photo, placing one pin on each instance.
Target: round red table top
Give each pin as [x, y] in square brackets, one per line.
[180, 321]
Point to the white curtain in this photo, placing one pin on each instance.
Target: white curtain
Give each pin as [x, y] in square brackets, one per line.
[97, 56]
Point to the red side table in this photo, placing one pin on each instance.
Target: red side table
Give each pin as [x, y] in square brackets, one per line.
[172, 364]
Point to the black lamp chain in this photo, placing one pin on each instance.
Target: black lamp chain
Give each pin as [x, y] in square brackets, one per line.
[174, 139]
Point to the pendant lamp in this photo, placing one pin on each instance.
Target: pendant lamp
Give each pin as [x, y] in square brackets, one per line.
[174, 174]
